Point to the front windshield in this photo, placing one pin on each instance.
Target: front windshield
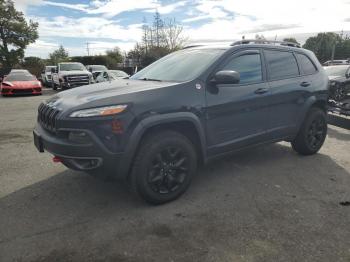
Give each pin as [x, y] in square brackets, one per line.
[98, 68]
[71, 67]
[19, 77]
[180, 66]
[48, 69]
[118, 73]
[336, 70]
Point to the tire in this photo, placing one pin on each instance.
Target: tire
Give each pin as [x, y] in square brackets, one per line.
[312, 133]
[164, 167]
[54, 87]
[339, 93]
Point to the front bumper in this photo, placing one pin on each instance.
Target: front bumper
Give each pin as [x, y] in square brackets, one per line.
[23, 91]
[92, 157]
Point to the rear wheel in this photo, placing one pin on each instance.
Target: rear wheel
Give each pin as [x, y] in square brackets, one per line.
[164, 167]
[312, 133]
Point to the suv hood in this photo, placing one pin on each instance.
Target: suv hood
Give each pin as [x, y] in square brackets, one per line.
[337, 78]
[105, 93]
[77, 72]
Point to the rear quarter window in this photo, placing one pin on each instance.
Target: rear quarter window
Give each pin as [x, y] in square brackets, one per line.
[307, 67]
[281, 64]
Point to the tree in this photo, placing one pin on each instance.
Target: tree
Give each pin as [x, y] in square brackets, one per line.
[290, 39]
[58, 56]
[15, 34]
[172, 33]
[33, 64]
[159, 38]
[322, 45]
[114, 57]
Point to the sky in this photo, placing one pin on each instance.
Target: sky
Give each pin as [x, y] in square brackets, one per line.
[105, 24]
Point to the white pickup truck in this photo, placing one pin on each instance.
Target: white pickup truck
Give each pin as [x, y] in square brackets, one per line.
[46, 75]
[70, 74]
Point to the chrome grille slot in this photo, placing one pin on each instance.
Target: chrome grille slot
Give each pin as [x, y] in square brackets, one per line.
[77, 80]
[47, 116]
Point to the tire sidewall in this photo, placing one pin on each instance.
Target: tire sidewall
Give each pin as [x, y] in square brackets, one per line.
[314, 114]
[140, 173]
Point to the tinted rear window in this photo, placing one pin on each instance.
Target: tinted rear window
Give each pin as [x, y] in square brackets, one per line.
[281, 64]
[307, 67]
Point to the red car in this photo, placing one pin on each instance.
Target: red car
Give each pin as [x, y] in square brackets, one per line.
[20, 84]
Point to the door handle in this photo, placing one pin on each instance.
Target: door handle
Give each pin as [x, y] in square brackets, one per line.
[304, 84]
[261, 90]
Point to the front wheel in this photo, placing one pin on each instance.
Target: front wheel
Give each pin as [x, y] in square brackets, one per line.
[312, 133]
[339, 93]
[164, 167]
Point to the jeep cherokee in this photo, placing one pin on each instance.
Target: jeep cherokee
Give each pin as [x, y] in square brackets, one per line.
[186, 108]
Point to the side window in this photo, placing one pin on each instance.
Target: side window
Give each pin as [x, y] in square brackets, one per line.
[281, 64]
[248, 66]
[307, 66]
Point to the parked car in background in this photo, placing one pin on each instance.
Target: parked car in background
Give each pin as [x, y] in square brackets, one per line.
[96, 69]
[20, 84]
[337, 62]
[70, 74]
[339, 77]
[186, 108]
[46, 75]
[110, 75]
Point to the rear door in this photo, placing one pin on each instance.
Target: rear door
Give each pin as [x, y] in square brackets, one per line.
[286, 92]
[237, 113]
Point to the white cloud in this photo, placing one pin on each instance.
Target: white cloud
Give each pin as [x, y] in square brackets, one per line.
[87, 27]
[234, 18]
[22, 5]
[167, 9]
[221, 19]
[41, 48]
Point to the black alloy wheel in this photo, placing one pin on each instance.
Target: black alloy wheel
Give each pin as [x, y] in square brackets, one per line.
[168, 170]
[316, 133]
[163, 167]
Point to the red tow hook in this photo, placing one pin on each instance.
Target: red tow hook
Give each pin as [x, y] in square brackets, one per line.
[56, 159]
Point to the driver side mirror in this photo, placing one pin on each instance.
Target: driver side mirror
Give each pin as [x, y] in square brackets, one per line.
[226, 77]
[106, 76]
[347, 75]
[90, 69]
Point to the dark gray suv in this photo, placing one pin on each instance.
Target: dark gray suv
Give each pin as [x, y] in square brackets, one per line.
[153, 129]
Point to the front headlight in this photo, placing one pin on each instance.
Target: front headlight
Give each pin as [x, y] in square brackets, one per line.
[333, 83]
[99, 111]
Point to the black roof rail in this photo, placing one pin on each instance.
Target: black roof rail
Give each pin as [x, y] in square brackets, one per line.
[190, 46]
[263, 41]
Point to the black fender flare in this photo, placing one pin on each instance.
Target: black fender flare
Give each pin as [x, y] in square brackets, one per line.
[152, 121]
[310, 102]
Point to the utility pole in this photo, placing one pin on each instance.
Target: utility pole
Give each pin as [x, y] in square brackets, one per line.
[88, 48]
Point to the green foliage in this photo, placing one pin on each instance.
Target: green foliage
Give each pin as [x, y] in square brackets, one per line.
[59, 55]
[15, 34]
[322, 45]
[290, 39]
[113, 58]
[33, 64]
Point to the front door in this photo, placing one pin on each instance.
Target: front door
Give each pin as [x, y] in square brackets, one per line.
[237, 114]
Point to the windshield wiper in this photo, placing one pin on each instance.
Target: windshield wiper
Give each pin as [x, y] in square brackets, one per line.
[150, 79]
